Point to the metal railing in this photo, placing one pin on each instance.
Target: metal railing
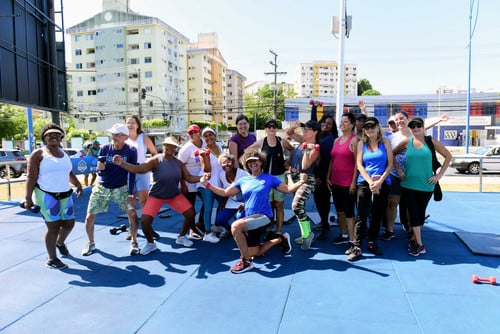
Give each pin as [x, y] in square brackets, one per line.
[8, 179]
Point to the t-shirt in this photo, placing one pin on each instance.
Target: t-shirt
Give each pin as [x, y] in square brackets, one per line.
[255, 192]
[242, 142]
[233, 202]
[186, 156]
[114, 176]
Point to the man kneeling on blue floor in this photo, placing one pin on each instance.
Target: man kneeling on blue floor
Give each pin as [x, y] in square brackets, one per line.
[248, 231]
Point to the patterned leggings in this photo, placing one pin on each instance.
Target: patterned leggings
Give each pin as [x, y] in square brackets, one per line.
[302, 195]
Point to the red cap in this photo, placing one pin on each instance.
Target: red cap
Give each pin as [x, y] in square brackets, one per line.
[193, 127]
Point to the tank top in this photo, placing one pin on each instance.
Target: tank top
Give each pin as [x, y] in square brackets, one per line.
[418, 168]
[166, 179]
[343, 162]
[275, 159]
[140, 146]
[375, 162]
[53, 175]
[296, 163]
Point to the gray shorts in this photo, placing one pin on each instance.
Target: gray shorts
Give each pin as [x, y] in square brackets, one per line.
[256, 221]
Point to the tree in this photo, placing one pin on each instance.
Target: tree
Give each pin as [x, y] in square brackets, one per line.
[363, 85]
[12, 122]
[371, 92]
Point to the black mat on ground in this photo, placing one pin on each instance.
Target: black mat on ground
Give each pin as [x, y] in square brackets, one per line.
[481, 243]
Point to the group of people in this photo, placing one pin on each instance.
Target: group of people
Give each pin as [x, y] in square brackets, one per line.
[366, 172]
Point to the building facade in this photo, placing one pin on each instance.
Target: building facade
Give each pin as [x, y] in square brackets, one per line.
[206, 80]
[125, 63]
[235, 83]
[319, 79]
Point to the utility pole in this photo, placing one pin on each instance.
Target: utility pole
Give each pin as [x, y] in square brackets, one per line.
[139, 93]
[274, 88]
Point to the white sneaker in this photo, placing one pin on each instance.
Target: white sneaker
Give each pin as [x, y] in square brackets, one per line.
[89, 249]
[217, 228]
[298, 240]
[211, 237]
[148, 248]
[183, 241]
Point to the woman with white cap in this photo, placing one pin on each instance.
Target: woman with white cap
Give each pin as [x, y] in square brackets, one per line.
[167, 173]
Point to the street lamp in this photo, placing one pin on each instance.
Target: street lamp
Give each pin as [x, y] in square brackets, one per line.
[164, 114]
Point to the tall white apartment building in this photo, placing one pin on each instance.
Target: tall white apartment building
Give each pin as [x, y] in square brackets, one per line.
[206, 80]
[319, 79]
[125, 63]
[235, 91]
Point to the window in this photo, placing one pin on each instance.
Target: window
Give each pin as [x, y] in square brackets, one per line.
[133, 47]
[89, 37]
[147, 60]
[148, 74]
[78, 38]
[133, 61]
[91, 64]
[78, 52]
[91, 92]
[79, 93]
[147, 45]
[78, 66]
[133, 32]
[119, 46]
[90, 51]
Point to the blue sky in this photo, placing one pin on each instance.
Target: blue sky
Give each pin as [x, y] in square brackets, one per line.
[402, 47]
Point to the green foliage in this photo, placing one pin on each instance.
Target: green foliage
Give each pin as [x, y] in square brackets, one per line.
[363, 85]
[154, 123]
[371, 92]
[12, 122]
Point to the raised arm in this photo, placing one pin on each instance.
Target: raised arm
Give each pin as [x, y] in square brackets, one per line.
[149, 165]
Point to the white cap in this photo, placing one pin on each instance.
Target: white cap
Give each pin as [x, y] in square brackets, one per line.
[118, 128]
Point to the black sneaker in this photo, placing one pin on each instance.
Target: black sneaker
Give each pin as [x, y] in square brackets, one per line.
[417, 250]
[156, 236]
[350, 249]
[355, 255]
[388, 235]
[323, 235]
[373, 248]
[62, 249]
[55, 264]
[340, 240]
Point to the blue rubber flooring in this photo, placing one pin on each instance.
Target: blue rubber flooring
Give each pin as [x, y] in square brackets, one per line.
[190, 290]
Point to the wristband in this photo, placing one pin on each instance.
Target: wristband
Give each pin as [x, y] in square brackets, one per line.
[207, 186]
[131, 196]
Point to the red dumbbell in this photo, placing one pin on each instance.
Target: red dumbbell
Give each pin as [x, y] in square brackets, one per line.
[197, 153]
[476, 279]
[306, 146]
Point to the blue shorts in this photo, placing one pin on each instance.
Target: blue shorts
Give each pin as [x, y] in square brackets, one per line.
[395, 185]
[142, 181]
[53, 209]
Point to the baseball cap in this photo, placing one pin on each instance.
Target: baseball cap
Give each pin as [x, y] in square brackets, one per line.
[271, 121]
[391, 119]
[193, 127]
[362, 116]
[118, 128]
[313, 125]
[416, 120]
[208, 129]
[370, 121]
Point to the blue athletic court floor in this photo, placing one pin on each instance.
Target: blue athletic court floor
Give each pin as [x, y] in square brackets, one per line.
[190, 290]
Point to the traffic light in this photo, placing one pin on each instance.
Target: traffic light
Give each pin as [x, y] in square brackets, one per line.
[143, 93]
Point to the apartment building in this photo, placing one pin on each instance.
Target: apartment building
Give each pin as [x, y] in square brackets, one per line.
[125, 63]
[235, 90]
[206, 80]
[319, 79]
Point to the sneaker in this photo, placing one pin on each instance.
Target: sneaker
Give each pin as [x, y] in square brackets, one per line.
[388, 235]
[55, 264]
[417, 250]
[195, 235]
[350, 249]
[373, 248]
[156, 236]
[285, 243]
[128, 236]
[306, 242]
[89, 249]
[134, 248]
[148, 248]
[211, 237]
[412, 244]
[216, 229]
[242, 266]
[183, 241]
[355, 255]
[62, 249]
[340, 240]
[224, 234]
[298, 240]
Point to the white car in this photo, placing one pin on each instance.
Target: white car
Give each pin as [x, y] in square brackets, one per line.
[471, 162]
[73, 153]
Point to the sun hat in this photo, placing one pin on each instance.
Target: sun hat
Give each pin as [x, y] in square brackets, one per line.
[170, 141]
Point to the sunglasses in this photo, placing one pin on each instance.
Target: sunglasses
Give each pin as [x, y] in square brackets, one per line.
[272, 126]
[369, 127]
[418, 126]
[53, 135]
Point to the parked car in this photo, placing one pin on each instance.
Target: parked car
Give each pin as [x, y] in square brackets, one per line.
[73, 153]
[470, 162]
[16, 160]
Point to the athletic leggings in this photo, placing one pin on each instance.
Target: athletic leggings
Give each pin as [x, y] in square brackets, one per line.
[302, 195]
[417, 202]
